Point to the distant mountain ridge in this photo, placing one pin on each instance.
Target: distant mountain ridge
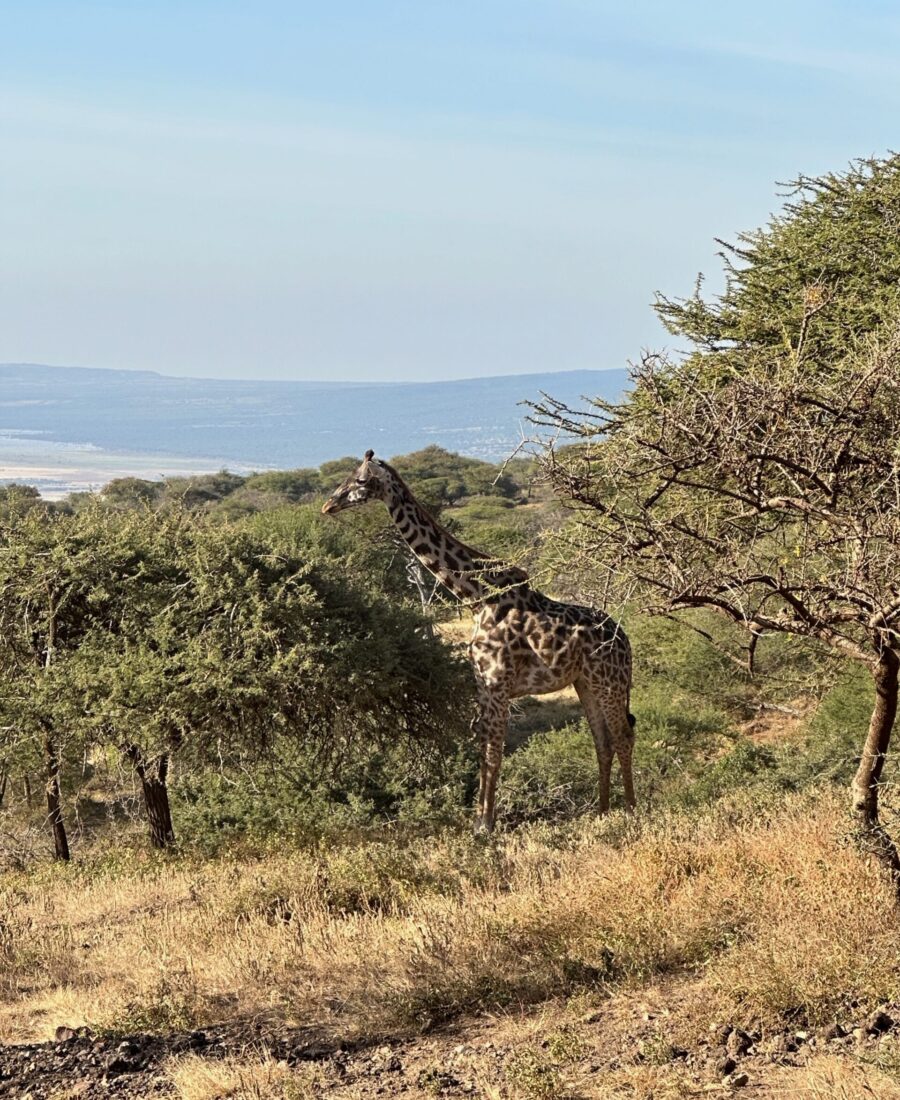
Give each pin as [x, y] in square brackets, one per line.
[264, 424]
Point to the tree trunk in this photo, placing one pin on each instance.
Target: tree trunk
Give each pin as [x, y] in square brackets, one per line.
[54, 802]
[868, 776]
[4, 779]
[26, 788]
[153, 775]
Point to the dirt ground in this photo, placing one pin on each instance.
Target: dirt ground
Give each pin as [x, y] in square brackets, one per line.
[635, 1045]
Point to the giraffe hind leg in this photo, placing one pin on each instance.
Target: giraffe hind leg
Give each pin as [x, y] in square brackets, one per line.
[624, 750]
[597, 721]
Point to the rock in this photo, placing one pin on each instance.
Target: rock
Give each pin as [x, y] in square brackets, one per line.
[833, 1031]
[725, 1066]
[738, 1080]
[117, 1064]
[778, 1045]
[738, 1043]
[879, 1023]
[64, 1034]
[721, 1034]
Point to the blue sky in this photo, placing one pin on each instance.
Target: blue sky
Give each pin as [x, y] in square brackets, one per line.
[399, 190]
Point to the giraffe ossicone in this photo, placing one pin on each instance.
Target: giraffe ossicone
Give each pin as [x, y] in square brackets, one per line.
[523, 643]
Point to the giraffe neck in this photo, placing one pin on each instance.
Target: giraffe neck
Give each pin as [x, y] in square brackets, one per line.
[469, 574]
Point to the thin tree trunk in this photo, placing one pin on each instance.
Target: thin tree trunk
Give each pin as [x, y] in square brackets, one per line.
[868, 776]
[26, 787]
[4, 779]
[54, 802]
[153, 775]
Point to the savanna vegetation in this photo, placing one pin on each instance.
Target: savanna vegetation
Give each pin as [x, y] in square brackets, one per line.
[235, 767]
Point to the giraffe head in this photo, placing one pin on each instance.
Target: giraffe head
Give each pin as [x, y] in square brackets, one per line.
[369, 482]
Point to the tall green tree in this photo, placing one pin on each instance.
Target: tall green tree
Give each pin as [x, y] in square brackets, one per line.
[759, 475]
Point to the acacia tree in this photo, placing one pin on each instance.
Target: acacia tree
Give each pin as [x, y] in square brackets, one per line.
[759, 476]
[236, 642]
[61, 577]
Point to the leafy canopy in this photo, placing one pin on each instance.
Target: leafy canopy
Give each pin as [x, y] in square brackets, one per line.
[760, 474]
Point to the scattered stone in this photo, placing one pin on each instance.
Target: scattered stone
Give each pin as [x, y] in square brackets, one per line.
[738, 1080]
[738, 1043]
[726, 1066]
[879, 1023]
[65, 1034]
[779, 1045]
[721, 1033]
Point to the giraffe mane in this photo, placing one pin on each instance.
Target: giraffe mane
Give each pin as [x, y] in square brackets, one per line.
[517, 575]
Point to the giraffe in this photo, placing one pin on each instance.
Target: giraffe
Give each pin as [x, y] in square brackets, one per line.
[524, 643]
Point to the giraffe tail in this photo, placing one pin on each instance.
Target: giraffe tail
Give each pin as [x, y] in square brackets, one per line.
[631, 719]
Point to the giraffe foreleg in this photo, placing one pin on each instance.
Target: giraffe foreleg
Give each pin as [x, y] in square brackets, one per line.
[490, 725]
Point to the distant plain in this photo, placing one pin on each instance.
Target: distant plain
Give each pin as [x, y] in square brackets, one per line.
[65, 429]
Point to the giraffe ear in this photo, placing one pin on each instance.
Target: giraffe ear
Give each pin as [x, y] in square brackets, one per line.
[369, 455]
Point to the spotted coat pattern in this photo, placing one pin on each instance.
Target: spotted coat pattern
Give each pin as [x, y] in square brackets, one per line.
[524, 643]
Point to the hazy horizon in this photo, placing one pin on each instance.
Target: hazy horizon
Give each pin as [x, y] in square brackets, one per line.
[64, 429]
[312, 381]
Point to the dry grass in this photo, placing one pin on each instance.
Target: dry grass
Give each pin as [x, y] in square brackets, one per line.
[195, 1078]
[529, 1076]
[776, 915]
[832, 1078]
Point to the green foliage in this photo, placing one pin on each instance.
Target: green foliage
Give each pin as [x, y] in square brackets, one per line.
[499, 526]
[441, 477]
[332, 473]
[202, 490]
[132, 492]
[554, 775]
[826, 267]
[167, 632]
[16, 498]
[304, 795]
[288, 485]
[829, 750]
[535, 1075]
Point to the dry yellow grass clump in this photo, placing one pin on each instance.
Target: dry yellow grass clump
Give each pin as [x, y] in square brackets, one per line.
[195, 1078]
[774, 914]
